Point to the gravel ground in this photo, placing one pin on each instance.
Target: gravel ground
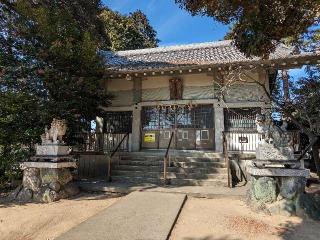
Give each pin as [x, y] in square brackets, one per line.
[33, 221]
[227, 219]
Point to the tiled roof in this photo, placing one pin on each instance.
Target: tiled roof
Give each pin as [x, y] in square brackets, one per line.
[202, 54]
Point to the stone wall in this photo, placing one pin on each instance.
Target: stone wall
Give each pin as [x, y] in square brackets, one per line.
[283, 196]
[45, 185]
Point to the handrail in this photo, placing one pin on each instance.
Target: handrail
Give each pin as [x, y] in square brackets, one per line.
[112, 154]
[116, 149]
[226, 157]
[166, 159]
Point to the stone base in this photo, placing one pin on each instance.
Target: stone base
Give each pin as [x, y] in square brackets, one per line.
[278, 172]
[52, 150]
[45, 183]
[281, 195]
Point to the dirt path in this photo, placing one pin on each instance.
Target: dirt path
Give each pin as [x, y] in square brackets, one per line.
[227, 219]
[47, 221]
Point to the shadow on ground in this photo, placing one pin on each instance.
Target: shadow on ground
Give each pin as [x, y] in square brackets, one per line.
[7, 203]
[306, 230]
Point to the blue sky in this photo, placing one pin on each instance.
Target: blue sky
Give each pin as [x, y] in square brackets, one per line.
[176, 26]
[173, 25]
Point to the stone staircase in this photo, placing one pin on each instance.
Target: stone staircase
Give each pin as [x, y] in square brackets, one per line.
[186, 168]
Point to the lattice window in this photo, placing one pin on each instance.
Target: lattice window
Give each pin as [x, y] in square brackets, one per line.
[240, 119]
[175, 116]
[118, 122]
[150, 118]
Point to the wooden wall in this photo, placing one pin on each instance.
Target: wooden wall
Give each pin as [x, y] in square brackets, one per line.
[91, 166]
[195, 86]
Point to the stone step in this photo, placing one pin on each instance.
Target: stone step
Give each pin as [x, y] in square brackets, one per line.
[173, 181]
[141, 158]
[139, 163]
[201, 176]
[161, 154]
[197, 159]
[126, 179]
[189, 168]
[207, 170]
[156, 174]
[137, 168]
[179, 159]
[159, 174]
[174, 163]
[199, 164]
[197, 182]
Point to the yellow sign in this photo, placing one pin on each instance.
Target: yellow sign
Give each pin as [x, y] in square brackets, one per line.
[149, 137]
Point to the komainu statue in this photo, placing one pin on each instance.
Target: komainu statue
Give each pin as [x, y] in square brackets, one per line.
[276, 143]
[55, 133]
[271, 133]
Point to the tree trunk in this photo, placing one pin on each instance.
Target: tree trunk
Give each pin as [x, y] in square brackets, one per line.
[316, 158]
[285, 79]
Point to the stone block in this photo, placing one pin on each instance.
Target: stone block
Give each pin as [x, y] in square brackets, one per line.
[14, 194]
[278, 172]
[63, 194]
[37, 196]
[71, 189]
[25, 195]
[292, 186]
[55, 186]
[52, 150]
[63, 176]
[48, 165]
[50, 196]
[264, 189]
[31, 179]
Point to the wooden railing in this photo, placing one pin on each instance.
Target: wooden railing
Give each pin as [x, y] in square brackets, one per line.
[110, 155]
[166, 158]
[241, 140]
[247, 141]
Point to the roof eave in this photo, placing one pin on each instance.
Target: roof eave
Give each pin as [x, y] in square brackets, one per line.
[294, 61]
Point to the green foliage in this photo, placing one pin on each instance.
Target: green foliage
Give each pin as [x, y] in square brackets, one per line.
[9, 159]
[51, 66]
[128, 32]
[258, 26]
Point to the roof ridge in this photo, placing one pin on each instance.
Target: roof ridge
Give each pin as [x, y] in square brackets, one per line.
[174, 48]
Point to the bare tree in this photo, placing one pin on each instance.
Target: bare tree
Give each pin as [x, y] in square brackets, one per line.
[241, 75]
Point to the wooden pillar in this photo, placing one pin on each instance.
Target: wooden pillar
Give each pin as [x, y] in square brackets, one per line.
[219, 127]
[136, 129]
[137, 90]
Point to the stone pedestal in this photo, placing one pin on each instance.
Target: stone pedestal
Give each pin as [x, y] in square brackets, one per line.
[276, 190]
[52, 150]
[46, 182]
